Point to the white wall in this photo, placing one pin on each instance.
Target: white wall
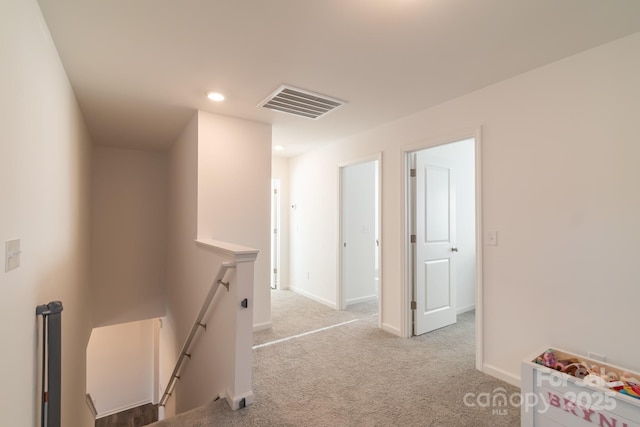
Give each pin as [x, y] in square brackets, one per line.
[280, 170]
[314, 225]
[188, 279]
[234, 193]
[44, 193]
[463, 154]
[128, 229]
[219, 182]
[559, 180]
[120, 366]
[181, 231]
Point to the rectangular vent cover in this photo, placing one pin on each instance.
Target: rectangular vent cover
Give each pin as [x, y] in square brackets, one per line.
[300, 102]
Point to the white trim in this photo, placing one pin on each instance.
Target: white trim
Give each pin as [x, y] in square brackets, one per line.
[406, 290]
[365, 159]
[276, 231]
[313, 297]
[340, 294]
[501, 374]
[391, 329]
[91, 405]
[361, 299]
[156, 325]
[262, 326]
[123, 408]
[406, 328]
[230, 250]
[479, 254]
[442, 139]
[461, 310]
[234, 401]
[380, 239]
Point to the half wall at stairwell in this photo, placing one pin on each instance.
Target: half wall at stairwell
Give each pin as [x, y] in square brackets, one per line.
[219, 181]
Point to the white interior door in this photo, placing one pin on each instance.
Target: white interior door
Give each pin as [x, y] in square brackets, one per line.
[435, 251]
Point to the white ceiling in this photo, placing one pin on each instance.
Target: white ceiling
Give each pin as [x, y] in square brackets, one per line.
[140, 68]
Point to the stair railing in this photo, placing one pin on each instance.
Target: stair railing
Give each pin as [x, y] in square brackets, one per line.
[186, 348]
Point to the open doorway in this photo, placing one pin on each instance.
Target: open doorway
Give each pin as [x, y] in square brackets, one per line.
[359, 272]
[124, 372]
[442, 219]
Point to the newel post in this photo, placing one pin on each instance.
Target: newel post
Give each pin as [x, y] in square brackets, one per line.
[240, 394]
[238, 391]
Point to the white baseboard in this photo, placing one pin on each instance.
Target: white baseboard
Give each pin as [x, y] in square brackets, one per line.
[362, 299]
[461, 310]
[91, 406]
[262, 326]
[391, 329]
[501, 374]
[313, 297]
[123, 408]
[234, 401]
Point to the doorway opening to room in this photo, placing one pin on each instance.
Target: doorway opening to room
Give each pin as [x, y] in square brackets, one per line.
[443, 249]
[359, 280]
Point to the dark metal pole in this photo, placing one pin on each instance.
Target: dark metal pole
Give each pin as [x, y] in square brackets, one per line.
[43, 410]
[52, 314]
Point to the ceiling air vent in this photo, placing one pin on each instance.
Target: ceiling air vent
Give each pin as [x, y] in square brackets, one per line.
[300, 102]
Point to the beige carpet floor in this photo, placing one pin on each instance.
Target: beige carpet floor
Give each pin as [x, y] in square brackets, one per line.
[358, 375]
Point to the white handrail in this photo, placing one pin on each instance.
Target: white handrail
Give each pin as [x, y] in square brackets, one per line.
[184, 353]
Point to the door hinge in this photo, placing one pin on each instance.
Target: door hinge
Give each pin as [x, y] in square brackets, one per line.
[412, 173]
[414, 305]
[413, 238]
[275, 231]
[275, 271]
[275, 191]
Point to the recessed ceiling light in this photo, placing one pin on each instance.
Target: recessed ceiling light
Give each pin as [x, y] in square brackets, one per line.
[215, 96]
[278, 147]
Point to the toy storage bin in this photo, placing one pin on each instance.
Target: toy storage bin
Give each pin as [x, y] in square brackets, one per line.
[554, 398]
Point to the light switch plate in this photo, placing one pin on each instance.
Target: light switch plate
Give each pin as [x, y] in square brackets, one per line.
[12, 255]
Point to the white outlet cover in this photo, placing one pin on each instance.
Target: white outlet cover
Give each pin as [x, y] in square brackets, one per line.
[12, 255]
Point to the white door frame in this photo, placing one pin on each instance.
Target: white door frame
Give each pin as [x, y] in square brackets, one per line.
[407, 290]
[341, 303]
[275, 276]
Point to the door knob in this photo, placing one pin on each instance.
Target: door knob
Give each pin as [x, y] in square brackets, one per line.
[454, 249]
